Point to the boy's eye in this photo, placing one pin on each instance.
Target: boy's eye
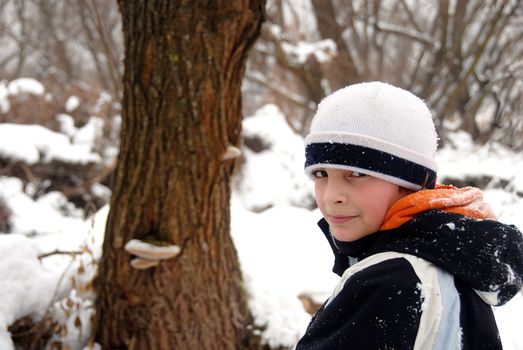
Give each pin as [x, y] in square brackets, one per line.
[318, 174]
[356, 174]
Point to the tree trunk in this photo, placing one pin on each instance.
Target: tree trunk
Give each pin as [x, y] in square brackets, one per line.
[184, 63]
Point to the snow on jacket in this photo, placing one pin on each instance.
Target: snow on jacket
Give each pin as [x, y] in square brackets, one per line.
[427, 284]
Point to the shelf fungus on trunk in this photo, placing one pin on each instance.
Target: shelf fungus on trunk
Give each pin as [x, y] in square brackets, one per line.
[143, 264]
[231, 152]
[149, 253]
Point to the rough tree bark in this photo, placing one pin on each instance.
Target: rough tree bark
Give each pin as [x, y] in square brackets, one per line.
[184, 62]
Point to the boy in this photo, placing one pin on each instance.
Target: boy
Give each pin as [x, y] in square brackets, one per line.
[420, 264]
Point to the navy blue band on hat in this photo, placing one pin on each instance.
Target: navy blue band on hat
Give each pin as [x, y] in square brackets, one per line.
[370, 159]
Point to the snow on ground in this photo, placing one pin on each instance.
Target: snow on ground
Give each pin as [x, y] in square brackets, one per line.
[282, 255]
[492, 160]
[27, 287]
[42, 216]
[282, 252]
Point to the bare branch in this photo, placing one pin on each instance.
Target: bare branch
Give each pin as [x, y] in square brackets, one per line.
[280, 91]
[410, 15]
[114, 72]
[59, 252]
[404, 32]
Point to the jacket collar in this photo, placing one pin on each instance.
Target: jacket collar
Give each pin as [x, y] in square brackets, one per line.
[343, 251]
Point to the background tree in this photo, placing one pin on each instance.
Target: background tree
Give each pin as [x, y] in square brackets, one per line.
[64, 42]
[463, 57]
[184, 63]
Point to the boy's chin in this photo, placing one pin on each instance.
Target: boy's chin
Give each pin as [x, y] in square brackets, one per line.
[346, 235]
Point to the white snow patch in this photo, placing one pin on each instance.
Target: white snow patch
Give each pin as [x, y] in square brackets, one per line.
[25, 85]
[462, 159]
[89, 135]
[43, 216]
[283, 254]
[4, 101]
[322, 50]
[34, 143]
[509, 320]
[101, 191]
[283, 319]
[27, 287]
[66, 124]
[75, 314]
[451, 225]
[72, 103]
[274, 176]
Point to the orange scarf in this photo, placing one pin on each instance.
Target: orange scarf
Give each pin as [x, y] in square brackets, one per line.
[467, 201]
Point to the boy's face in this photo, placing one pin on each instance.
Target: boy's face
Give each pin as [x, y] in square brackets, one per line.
[353, 204]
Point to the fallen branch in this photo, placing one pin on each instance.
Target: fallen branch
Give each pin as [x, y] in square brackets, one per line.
[59, 252]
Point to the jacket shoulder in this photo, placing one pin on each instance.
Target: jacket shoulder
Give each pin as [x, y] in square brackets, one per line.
[376, 305]
[419, 294]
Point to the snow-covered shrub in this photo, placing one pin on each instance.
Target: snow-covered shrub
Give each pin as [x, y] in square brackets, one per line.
[274, 156]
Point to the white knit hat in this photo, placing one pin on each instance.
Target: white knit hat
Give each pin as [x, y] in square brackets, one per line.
[376, 129]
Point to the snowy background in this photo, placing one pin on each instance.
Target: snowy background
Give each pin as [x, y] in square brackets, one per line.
[283, 254]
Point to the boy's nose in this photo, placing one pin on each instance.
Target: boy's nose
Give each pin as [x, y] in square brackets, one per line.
[334, 194]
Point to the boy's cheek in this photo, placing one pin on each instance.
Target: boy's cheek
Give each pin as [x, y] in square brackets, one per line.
[318, 197]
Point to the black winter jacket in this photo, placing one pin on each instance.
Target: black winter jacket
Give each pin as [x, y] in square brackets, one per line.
[428, 284]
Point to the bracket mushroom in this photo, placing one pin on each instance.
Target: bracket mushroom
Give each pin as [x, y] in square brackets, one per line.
[149, 253]
[143, 264]
[231, 152]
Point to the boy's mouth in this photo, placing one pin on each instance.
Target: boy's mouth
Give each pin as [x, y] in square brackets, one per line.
[340, 219]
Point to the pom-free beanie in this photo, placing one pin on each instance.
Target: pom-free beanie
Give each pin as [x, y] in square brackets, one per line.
[376, 129]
